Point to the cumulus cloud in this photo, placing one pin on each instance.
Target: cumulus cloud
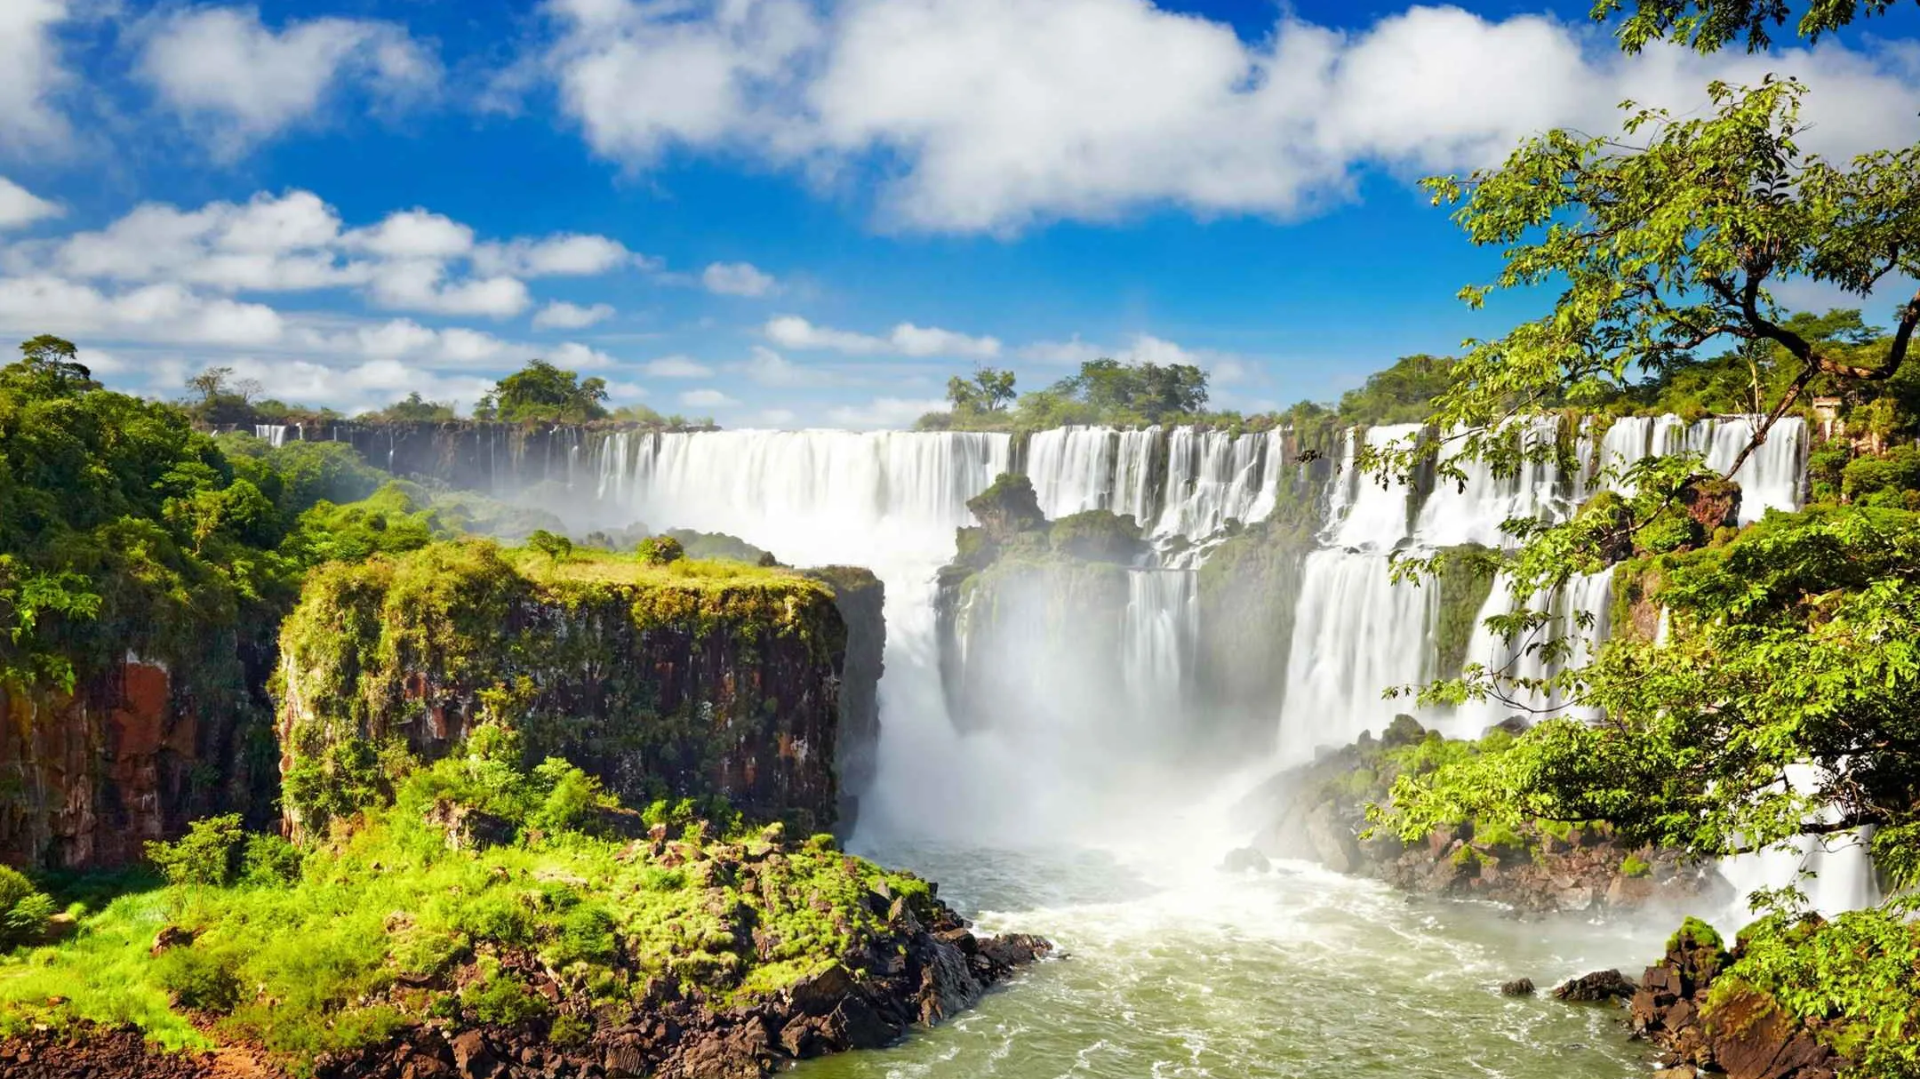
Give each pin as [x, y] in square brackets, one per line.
[227, 73]
[707, 399]
[737, 279]
[19, 207]
[906, 339]
[30, 72]
[566, 255]
[410, 260]
[561, 315]
[990, 115]
[885, 412]
[677, 367]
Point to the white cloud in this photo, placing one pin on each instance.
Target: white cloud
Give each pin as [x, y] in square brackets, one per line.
[677, 367]
[737, 279]
[775, 417]
[30, 73]
[990, 115]
[885, 412]
[165, 312]
[568, 254]
[18, 206]
[642, 76]
[572, 354]
[422, 286]
[768, 368]
[224, 71]
[906, 339]
[414, 234]
[561, 315]
[706, 399]
[269, 243]
[410, 260]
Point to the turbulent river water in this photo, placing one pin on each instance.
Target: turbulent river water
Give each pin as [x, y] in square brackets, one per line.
[1174, 969]
[1048, 820]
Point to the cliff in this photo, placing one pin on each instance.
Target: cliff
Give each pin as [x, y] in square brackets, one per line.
[1032, 613]
[860, 598]
[132, 754]
[686, 680]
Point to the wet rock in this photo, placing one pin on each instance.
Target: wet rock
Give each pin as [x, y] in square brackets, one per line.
[1601, 985]
[1519, 987]
[1245, 860]
[473, 1058]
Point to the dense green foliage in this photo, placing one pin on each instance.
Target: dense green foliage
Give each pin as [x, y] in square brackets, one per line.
[122, 528]
[468, 632]
[1103, 391]
[411, 409]
[24, 910]
[407, 918]
[1708, 25]
[543, 393]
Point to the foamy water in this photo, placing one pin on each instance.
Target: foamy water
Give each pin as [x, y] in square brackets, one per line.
[1174, 969]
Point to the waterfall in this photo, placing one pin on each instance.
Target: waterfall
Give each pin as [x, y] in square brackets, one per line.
[1472, 510]
[1366, 512]
[1159, 639]
[1771, 478]
[1844, 876]
[1590, 595]
[1356, 633]
[275, 434]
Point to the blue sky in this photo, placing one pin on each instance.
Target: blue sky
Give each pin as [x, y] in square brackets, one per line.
[785, 212]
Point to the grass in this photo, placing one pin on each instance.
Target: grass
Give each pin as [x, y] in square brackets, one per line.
[386, 925]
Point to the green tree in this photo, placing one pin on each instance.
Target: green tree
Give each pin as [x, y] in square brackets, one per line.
[1779, 703]
[411, 409]
[220, 398]
[989, 390]
[1708, 25]
[543, 393]
[1671, 243]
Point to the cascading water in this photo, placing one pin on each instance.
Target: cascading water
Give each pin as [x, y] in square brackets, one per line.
[1179, 970]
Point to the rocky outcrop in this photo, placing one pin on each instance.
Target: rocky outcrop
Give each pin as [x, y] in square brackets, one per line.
[860, 598]
[1033, 611]
[1743, 1034]
[923, 975]
[927, 967]
[1319, 812]
[725, 681]
[88, 777]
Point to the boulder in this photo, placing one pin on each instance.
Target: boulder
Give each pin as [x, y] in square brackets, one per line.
[1519, 987]
[1243, 860]
[1601, 985]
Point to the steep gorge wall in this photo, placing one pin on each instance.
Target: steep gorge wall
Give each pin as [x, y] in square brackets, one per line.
[136, 751]
[661, 683]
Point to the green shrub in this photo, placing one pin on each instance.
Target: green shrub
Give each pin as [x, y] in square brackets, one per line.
[660, 550]
[569, 1030]
[209, 854]
[269, 860]
[23, 910]
[199, 978]
[501, 1000]
[1635, 866]
[1891, 473]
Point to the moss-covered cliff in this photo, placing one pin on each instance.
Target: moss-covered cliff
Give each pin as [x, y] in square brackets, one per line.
[683, 680]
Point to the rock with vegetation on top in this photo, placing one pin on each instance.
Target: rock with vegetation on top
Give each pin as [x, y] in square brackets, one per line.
[688, 679]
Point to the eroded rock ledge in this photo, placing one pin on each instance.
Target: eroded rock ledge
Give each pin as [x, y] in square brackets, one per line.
[1318, 812]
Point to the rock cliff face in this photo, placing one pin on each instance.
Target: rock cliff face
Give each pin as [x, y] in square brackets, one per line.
[1033, 611]
[861, 600]
[1743, 1034]
[1319, 812]
[87, 778]
[690, 680]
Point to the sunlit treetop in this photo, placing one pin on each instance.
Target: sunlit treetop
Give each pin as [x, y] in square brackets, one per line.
[1709, 25]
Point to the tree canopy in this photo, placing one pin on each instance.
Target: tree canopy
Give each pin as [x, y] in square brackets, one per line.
[543, 393]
